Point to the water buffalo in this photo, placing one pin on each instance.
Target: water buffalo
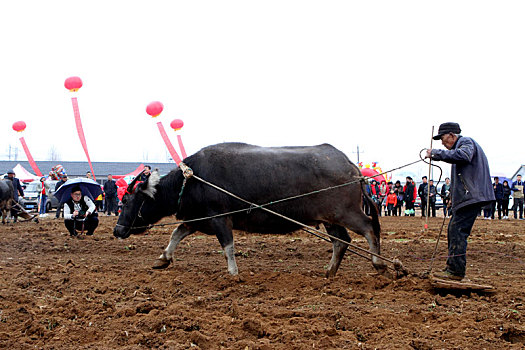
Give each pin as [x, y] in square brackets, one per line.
[6, 198]
[8, 204]
[260, 175]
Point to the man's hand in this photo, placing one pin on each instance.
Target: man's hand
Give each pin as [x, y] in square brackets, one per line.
[429, 153]
[75, 213]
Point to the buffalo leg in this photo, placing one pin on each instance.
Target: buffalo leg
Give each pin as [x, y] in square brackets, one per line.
[223, 231]
[166, 257]
[339, 248]
[362, 225]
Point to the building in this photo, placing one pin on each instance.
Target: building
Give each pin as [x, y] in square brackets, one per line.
[79, 169]
[521, 171]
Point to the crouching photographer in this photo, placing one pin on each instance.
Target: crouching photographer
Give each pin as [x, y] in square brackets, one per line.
[80, 213]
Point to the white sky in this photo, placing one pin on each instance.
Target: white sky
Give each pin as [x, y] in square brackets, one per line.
[377, 74]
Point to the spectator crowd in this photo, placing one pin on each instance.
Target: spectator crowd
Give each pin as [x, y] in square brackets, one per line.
[397, 199]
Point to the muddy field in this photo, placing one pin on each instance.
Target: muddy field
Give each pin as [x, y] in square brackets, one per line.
[99, 292]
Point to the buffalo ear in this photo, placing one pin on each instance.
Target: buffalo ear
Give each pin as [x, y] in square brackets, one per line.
[153, 181]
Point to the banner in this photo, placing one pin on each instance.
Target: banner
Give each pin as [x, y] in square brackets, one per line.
[30, 157]
[167, 141]
[80, 131]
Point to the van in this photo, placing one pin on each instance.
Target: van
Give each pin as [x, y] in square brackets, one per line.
[30, 200]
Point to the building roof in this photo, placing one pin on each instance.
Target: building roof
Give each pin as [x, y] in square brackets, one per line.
[75, 169]
[520, 171]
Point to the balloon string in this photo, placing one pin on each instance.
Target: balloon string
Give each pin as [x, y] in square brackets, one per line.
[80, 132]
[167, 141]
[30, 157]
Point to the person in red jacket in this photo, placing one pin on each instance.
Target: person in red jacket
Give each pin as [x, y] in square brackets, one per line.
[391, 202]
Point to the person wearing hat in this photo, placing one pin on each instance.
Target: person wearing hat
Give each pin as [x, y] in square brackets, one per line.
[17, 191]
[471, 189]
[63, 179]
[80, 213]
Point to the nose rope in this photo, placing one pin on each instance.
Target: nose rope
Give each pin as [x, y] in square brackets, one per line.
[135, 218]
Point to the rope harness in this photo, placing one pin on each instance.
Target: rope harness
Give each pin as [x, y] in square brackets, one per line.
[355, 249]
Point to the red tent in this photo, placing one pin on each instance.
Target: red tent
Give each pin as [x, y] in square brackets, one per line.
[124, 180]
[133, 173]
[371, 172]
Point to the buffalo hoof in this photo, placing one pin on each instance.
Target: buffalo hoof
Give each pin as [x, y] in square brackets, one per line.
[383, 270]
[161, 264]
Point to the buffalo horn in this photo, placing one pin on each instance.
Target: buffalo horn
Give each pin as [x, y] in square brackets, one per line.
[132, 184]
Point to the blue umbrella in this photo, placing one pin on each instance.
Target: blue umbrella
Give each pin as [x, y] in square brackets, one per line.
[88, 187]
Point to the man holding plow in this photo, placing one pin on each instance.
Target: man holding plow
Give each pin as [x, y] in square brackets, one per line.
[470, 190]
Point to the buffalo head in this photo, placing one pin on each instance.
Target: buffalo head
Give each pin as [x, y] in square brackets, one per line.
[140, 207]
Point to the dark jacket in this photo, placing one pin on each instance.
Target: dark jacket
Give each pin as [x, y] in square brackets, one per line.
[470, 175]
[17, 187]
[445, 191]
[398, 190]
[433, 193]
[58, 184]
[110, 188]
[498, 190]
[143, 177]
[506, 192]
[410, 192]
[421, 192]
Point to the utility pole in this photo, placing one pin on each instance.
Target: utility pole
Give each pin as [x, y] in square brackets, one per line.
[358, 152]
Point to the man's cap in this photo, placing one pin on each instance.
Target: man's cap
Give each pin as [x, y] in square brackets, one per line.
[445, 128]
[64, 176]
[10, 171]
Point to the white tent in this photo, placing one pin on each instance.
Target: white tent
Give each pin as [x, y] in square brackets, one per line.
[23, 175]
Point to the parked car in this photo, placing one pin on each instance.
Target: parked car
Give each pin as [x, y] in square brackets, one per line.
[439, 202]
[30, 199]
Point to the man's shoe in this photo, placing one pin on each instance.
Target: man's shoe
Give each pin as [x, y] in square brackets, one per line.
[447, 275]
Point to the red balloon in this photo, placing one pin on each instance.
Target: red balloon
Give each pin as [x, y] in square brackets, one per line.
[177, 124]
[155, 108]
[19, 126]
[73, 83]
